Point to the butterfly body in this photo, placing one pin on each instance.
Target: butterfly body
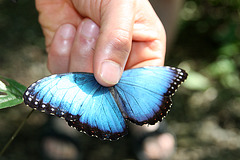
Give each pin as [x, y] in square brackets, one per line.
[143, 96]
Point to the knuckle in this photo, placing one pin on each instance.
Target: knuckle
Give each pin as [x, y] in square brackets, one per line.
[121, 41]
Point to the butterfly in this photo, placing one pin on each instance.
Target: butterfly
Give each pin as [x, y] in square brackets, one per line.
[142, 96]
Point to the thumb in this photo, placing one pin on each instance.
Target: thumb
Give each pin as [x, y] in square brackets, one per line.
[115, 40]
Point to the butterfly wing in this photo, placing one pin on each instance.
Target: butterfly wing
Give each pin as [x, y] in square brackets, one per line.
[144, 94]
[77, 97]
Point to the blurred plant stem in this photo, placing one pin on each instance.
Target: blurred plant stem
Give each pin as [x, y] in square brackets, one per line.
[15, 134]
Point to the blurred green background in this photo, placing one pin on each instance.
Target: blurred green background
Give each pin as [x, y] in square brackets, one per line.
[206, 111]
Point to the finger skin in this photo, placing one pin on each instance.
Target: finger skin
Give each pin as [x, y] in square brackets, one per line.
[116, 19]
[59, 51]
[130, 35]
[82, 53]
[114, 42]
[53, 14]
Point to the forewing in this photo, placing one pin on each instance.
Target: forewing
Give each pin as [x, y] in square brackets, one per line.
[77, 97]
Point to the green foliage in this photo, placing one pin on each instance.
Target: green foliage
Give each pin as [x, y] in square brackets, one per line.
[197, 81]
[208, 113]
[11, 94]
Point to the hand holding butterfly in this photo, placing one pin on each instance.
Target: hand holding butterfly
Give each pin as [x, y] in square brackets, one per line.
[101, 36]
[105, 37]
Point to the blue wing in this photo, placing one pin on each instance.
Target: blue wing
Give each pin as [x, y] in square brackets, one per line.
[77, 97]
[144, 94]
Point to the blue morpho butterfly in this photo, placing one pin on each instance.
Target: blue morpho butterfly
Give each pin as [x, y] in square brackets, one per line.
[142, 96]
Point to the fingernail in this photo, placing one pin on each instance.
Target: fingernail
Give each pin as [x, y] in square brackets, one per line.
[67, 31]
[89, 29]
[110, 72]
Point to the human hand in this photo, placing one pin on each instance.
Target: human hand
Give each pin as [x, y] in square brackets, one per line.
[101, 36]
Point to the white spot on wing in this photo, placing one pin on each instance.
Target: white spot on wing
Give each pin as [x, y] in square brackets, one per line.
[27, 93]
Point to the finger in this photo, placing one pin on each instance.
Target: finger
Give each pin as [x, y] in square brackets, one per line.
[149, 39]
[59, 51]
[81, 59]
[114, 42]
[148, 53]
[53, 14]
